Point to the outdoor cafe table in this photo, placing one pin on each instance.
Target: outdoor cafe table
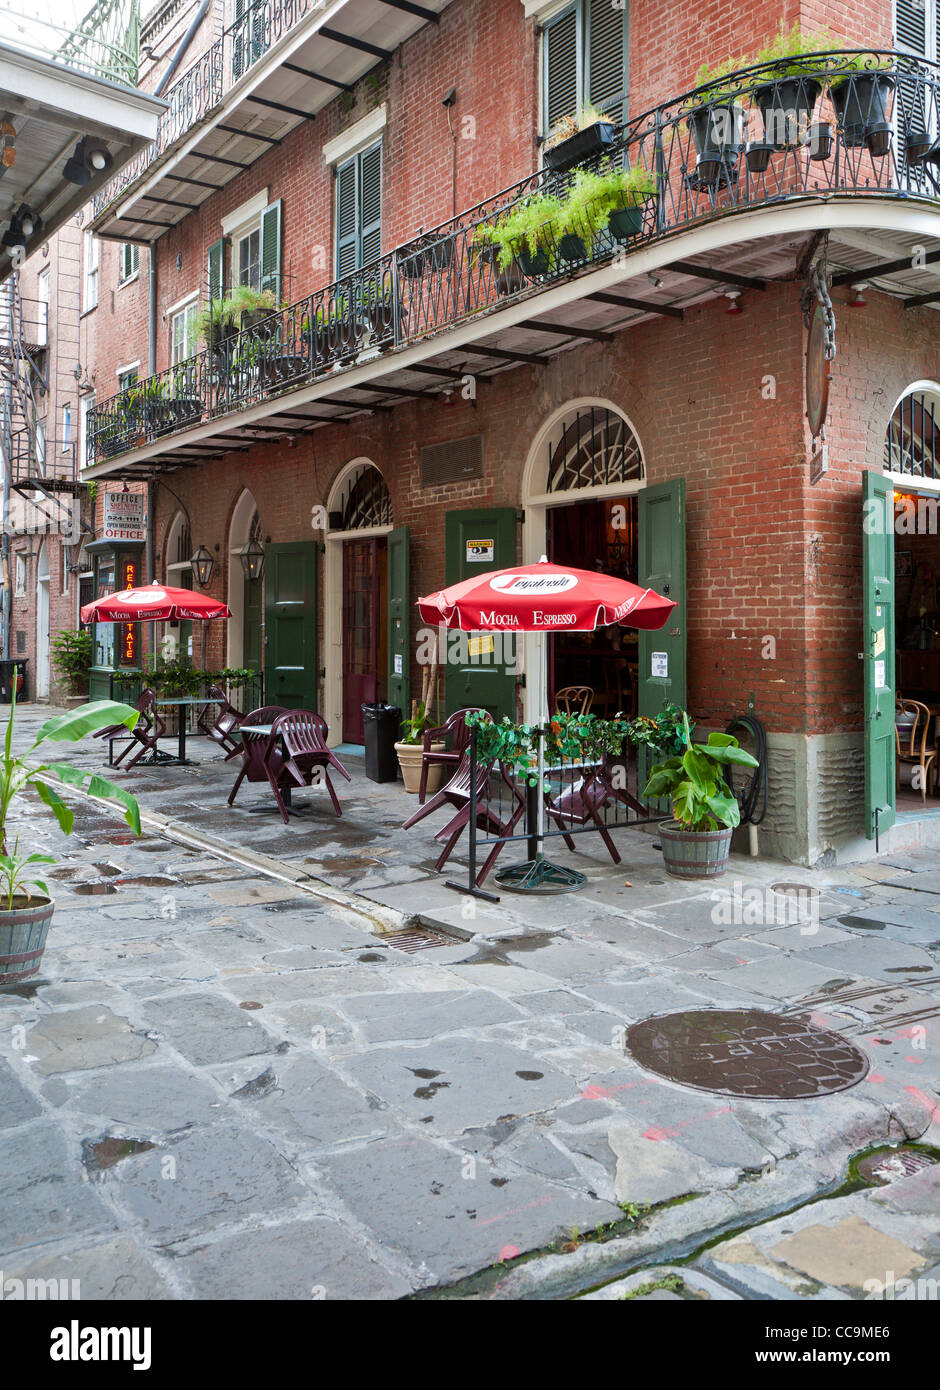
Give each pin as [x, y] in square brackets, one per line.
[181, 704]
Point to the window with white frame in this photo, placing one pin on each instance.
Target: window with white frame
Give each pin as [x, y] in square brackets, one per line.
[584, 61]
[19, 572]
[182, 331]
[129, 260]
[39, 444]
[44, 287]
[127, 376]
[66, 428]
[85, 452]
[90, 278]
[66, 553]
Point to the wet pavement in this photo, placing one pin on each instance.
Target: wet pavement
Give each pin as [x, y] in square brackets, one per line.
[235, 1078]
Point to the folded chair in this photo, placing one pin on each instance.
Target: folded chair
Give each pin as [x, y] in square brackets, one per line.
[148, 729]
[458, 731]
[457, 793]
[219, 725]
[254, 768]
[589, 795]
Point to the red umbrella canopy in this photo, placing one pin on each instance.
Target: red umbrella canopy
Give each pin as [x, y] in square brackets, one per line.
[544, 598]
[154, 603]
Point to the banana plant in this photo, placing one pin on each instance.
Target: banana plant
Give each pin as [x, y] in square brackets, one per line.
[694, 781]
[20, 771]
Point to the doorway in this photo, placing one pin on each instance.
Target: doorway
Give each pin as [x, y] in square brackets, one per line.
[245, 595]
[42, 624]
[596, 535]
[365, 629]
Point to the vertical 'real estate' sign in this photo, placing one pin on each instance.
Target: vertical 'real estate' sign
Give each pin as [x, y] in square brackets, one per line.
[129, 631]
[124, 516]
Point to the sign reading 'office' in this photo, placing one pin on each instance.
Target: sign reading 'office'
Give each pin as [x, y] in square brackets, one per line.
[124, 516]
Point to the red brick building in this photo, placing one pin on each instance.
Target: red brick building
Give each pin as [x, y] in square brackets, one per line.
[630, 394]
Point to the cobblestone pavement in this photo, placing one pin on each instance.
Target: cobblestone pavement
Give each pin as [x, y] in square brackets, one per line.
[230, 1080]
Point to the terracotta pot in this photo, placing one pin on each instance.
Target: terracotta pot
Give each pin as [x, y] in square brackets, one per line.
[410, 756]
[23, 931]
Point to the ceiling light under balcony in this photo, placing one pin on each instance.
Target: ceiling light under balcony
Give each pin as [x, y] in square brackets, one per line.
[732, 297]
[858, 301]
[89, 157]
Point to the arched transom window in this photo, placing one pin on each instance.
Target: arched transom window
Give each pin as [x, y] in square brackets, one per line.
[364, 501]
[912, 442]
[595, 448]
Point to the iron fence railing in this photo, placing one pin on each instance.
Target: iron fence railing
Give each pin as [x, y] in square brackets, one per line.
[860, 122]
[203, 85]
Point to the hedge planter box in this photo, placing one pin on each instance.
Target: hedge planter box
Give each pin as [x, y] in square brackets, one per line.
[694, 853]
[23, 932]
[861, 102]
[410, 758]
[787, 107]
[577, 148]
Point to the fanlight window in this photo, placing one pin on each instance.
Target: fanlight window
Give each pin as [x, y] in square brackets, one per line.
[912, 443]
[365, 502]
[596, 449]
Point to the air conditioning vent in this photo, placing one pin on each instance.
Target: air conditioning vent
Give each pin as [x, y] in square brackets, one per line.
[452, 462]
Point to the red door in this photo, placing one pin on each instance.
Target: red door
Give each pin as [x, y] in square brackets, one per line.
[360, 633]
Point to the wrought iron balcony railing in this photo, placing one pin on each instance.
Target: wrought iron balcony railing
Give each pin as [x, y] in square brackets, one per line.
[203, 85]
[858, 123]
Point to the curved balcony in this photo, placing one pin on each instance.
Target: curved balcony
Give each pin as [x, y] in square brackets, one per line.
[828, 126]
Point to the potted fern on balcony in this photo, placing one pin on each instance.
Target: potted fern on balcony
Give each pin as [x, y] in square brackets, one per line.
[578, 138]
[697, 841]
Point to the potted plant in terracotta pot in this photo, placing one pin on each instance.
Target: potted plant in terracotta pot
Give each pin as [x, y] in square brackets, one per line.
[697, 841]
[26, 905]
[410, 750]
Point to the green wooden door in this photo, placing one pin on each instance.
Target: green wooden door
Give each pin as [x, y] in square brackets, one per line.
[251, 625]
[661, 661]
[290, 624]
[399, 620]
[483, 673]
[878, 650]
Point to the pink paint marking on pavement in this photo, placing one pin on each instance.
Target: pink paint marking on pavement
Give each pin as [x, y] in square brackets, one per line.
[508, 1252]
[916, 1060]
[875, 1076]
[658, 1133]
[595, 1092]
[931, 1106]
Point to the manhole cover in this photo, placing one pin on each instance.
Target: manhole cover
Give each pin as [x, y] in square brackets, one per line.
[746, 1052]
[795, 890]
[890, 1165]
[417, 939]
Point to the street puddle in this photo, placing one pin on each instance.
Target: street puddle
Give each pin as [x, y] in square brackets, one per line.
[148, 881]
[93, 889]
[99, 1155]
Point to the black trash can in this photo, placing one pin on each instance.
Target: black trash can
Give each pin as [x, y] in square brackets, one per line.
[382, 723]
[12, 669]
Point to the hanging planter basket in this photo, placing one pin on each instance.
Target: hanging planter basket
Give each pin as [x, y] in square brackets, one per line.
[534, 263]
[861, 103]
[593, 140]
[718, 127]
[627, 221]
[787, 106]
[426, 256]
[571, 248]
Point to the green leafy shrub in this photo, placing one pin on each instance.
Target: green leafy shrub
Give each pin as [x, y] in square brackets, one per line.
[73, 653]
[694, 782]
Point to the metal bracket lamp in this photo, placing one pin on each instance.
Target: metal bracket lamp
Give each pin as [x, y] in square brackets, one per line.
[252, 558]
[202, 565]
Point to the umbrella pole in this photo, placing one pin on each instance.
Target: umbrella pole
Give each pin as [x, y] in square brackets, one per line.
[540, 875]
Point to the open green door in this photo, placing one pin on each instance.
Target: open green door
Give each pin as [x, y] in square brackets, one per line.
[484, 673]
[399, 620]
[290, 619]
[878, 652]
[661, 666]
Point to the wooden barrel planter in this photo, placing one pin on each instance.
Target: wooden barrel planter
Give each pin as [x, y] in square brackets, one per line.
[23, 932]
[694, 853]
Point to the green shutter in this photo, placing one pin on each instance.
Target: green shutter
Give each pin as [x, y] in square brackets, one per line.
[399, 620]
[347, 222]
[561, 67]
[271, 248]
[217, 269]
[661, 655]
[607, 47]
[479, 680]
[878, 654]
[911, 26]
[370, 205]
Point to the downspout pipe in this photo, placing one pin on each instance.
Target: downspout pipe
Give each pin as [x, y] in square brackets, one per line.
[184, 43]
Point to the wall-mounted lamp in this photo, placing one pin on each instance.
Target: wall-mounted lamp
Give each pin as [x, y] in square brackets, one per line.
[89, 157]
[732, 297]
[252, 558]
[202, 565]
[858, 301]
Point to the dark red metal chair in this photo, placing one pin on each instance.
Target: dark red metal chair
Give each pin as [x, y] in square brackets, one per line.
[457, 793]
[457, 731]
[219, 725]
[588, 797]
[254, 767]
[148, 729]
[302, 735]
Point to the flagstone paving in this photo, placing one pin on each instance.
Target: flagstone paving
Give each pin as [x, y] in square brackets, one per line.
[229, 1081]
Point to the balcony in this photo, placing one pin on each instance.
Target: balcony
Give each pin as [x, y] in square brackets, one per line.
[852, 131]
[273, 69]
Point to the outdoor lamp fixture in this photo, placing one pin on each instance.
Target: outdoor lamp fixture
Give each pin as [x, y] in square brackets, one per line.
[252, 558]
[23, 224]
[87, 158]
[202, 565]
[732, 297]
[858, 301]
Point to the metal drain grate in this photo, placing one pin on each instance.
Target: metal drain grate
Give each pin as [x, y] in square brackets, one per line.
[417, 939]
[892, 1165]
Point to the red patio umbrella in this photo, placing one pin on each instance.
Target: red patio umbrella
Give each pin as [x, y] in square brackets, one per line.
[544, 598]
[154, 603]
